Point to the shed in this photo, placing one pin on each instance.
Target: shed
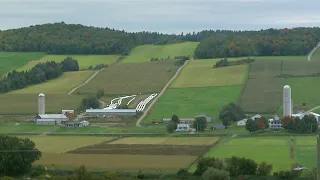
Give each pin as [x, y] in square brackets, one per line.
[209, 119]
[257, 116]
[49, 119]
[242, 122]
[219, 126]
[111, 112]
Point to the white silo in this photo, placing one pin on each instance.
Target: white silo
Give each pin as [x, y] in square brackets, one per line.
[41, 104]
[287, 103]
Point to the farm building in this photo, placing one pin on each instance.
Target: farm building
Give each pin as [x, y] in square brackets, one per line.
[209, 119]
[301, 115]
[182, 120]
[219, 126]
[183, 127]
[257, 116]
[111, 112]
[76, 124]
[67, 112]
[242, 122]
[50, 119]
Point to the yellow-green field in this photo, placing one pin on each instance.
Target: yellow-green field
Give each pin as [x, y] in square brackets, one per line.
[115, 161]
[275, 151]
[167, 140]
[85, 61]
[28, 103]
[62, 84]
[145, 52]
[200, 73]
[62, 144]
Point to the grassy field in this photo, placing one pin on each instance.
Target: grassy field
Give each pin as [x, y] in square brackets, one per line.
[199, 73]
[62, 84]
[117, 162]
[13, 60]
[316, 55]
[145, 52]
[28, 103]
[133, 78]
[189, 102]
[300, 68]
[264, 69]
[23, 127]
[84, 60]
[272, 150]
[302, 93]
[167, 140]
[62, 144]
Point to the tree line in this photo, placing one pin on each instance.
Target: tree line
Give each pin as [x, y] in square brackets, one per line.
[225, 62]
[61, 38]
[307, 124]
[38, 74]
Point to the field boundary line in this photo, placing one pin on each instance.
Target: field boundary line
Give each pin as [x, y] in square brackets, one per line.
[86, 82]
[161, 93]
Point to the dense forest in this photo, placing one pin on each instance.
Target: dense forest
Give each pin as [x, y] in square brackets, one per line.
[61, 38]
[38, 74]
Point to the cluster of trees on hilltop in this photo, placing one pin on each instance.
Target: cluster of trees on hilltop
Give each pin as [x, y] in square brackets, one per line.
[61, 38]
[271, 42]
[38, 74]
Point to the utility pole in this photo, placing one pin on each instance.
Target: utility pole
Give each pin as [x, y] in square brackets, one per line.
[318, 158]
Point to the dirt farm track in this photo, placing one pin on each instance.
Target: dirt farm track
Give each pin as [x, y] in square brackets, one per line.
[143, 149]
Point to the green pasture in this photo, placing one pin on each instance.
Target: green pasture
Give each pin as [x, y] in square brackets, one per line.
[316, 55]
[144, 53]
[14, 104]
[281, 58]
[200, 73]
[23, 128]
[62, 84]
[132, 78]
[12, 60]
[275, 151]
[85, 61]
[189, 102]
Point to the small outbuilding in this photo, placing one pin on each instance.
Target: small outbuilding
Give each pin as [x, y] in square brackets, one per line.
[182, 120]
[242, 122]
[67, 112]
[50, 119]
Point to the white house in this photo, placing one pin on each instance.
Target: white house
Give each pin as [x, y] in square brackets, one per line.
[242, 122]
[275, 124]
[183, 127]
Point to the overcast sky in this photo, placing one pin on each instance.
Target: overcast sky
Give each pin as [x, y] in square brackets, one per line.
[167, 16]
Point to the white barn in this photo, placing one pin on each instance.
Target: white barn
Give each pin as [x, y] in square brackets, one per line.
[50, 119]
[301, 115]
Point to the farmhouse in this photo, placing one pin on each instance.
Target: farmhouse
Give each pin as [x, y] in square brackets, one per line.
[111, 112]
[183, 127]
[50, 119]
[275, 124]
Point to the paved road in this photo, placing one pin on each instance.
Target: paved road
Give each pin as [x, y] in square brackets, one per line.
[145, 112]
[86, 82]
[311, 53]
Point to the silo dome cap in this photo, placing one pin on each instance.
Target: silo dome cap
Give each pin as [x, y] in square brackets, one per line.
[286, 87]
[41, 94]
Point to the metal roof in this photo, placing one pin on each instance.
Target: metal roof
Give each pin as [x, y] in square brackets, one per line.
[111, 110]
[52, 116]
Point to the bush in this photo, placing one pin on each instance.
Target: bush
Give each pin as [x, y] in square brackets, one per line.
[207, 162]
[170, 127]
[215, 174]
[264, 169]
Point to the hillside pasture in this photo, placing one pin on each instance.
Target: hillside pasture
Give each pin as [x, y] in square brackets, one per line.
[200, 73]
[316, 55]
[61, 85]
[190, 102]
[132, 78]
[117, 161]
[23, 127]
[13, 60]
[144, 53]
[275, 151]
[167, 140]
[301, 68]
[264, 69]
[85, 61]
[62, 144]
[28, 103]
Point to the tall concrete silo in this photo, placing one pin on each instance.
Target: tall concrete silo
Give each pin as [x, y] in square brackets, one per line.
[41, 104]
[287, 103]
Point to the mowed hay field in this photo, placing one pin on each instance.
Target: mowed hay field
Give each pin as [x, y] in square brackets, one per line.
[85, 61]
[275, 151]
[62, 144]
[133, 78]
[145, 52]
[28, 103]
[167, 140]
[200, 73]
[190, 102]
[62, 84]
[13, 60]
